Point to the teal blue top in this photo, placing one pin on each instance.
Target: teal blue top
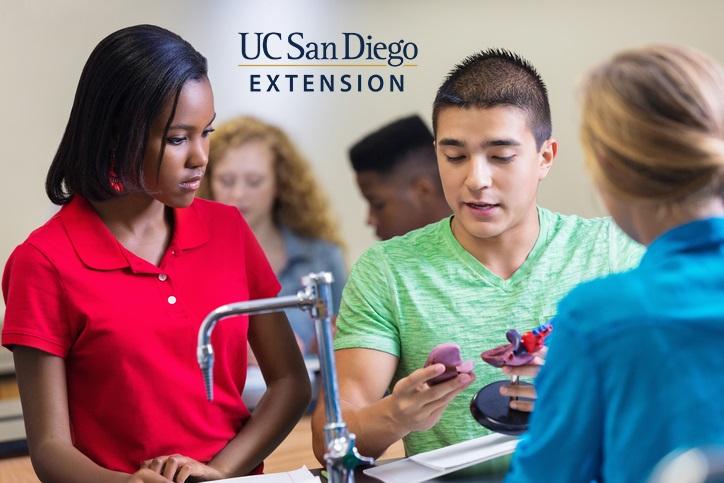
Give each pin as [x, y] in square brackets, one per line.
[635, 366]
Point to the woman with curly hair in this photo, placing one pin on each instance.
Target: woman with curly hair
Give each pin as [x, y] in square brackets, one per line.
[255, 167]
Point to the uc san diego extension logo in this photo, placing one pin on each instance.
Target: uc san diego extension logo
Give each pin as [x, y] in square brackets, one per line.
[353, 62]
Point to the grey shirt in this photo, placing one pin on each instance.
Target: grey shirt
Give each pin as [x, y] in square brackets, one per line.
[305, 255]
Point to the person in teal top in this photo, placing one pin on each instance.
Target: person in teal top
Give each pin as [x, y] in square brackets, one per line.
[633, 372]
[499, 262]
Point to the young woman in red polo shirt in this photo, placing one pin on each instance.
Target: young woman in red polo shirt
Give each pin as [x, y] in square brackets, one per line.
[104, 301]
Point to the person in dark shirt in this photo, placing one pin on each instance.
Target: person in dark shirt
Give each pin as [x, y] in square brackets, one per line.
[396, 171]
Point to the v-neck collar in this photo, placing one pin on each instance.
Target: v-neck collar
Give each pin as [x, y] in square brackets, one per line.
[484, 272]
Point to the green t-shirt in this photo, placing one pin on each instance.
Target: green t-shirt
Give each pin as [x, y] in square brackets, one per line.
[406, 295]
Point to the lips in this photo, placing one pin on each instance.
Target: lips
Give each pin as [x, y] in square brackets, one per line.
[480, 205]
[482, 210]
[191, 184]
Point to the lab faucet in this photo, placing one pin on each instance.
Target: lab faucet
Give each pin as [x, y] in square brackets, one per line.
[342, 456]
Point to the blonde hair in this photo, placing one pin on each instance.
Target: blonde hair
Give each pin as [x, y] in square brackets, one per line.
[300, 204]
[653, 124]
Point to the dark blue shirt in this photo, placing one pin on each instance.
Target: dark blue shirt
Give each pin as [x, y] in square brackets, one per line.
[305, 255]
[635, 368]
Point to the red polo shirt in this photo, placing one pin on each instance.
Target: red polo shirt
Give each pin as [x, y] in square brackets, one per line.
[128, 329]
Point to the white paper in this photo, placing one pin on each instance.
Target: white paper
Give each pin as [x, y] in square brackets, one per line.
[302, 475]
[426, 466]
[467, 452]
[402, 471]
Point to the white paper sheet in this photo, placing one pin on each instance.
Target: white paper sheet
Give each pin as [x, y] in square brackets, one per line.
[302, 475]
[426, 466]
[467, 452]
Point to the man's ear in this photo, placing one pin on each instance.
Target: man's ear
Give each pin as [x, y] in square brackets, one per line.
[546, 156]
[423, 189]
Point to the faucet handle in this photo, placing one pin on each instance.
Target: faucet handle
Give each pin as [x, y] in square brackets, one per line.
[343, 452]
[319, 277]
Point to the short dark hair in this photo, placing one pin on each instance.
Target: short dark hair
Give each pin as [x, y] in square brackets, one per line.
[497, 77]
[383, 149]
[125, 84]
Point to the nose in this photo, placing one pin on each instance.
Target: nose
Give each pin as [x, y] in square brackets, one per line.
[238, 192]
[230, 194]
[199, 154]
[479, 175]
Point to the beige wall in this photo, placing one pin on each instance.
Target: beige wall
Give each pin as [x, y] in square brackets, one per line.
[44, 46]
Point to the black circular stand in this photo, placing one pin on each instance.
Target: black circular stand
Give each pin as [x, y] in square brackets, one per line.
[491, 409]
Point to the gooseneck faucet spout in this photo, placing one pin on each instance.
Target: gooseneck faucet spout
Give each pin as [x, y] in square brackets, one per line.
[205, 352]
[316, 298]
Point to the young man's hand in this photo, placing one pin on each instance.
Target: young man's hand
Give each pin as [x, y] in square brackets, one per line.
[416, 406]
[524, 390]
[179, 468]
[379, 420]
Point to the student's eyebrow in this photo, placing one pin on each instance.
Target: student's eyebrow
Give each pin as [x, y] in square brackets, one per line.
[188, 127]
[500, 142]
[452, 142]
[486, 144]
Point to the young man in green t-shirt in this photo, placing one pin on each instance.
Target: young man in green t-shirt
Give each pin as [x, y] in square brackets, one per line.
[499, 262]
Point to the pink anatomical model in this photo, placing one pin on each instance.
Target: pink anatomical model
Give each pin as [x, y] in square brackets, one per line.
[449, 355]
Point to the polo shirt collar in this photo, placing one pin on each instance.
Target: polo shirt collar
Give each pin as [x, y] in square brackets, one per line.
[190, 230]
[98, 248]
[687, 237]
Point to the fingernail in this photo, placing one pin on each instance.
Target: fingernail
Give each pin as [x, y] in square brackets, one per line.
[464, 379]
[506, 369]
[504, 391]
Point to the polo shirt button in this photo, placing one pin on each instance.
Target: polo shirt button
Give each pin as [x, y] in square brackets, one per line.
[172, 300]
[162, 277]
